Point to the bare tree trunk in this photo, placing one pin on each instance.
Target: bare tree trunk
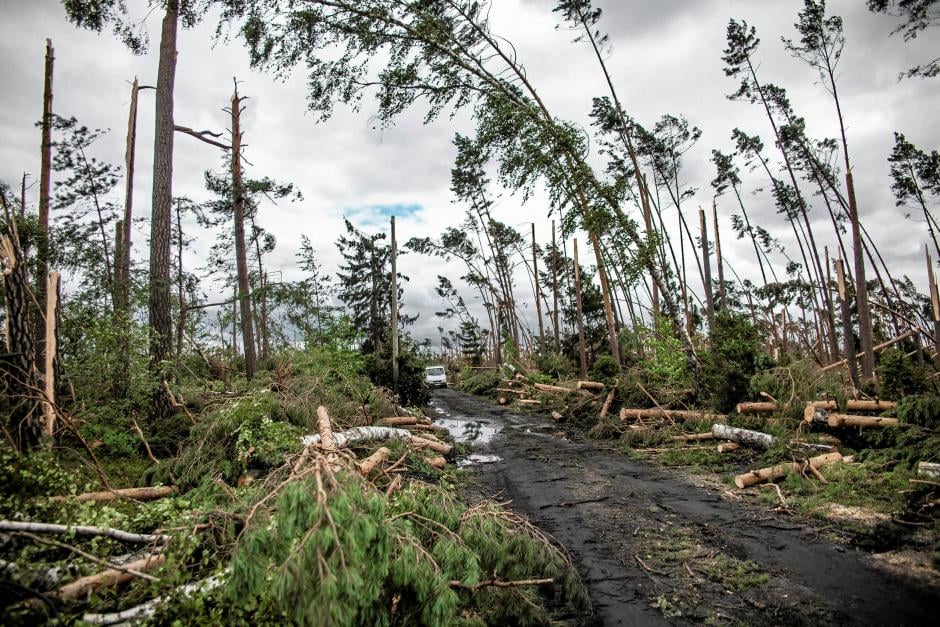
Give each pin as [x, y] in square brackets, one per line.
[555, 291]
[934, 308]
[241, 255]
[718, 259]
[181, 322]
[866, 343]
[582, 356]
[161, 329]
[45, 184]
[650, 234]
[707, 269]
[51, 354]
[847, 337]
[538, 292]
[122, 254]
[394, 259]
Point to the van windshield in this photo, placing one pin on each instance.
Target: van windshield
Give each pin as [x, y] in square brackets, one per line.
[435, 372]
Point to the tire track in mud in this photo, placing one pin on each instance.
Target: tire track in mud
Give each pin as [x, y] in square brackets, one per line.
[611, 512]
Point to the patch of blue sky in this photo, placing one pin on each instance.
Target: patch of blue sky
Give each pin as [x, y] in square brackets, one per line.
[371, 215]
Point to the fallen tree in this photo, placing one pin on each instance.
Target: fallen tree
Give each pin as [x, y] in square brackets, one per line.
[110, 577]
[754, 439]
[80, 530]
[656, 412]
[767, 407]
[361, 435]
[136, 494]
[772, 473]
[814, 415]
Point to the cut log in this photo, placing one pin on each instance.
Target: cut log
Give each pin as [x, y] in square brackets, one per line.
[110, 577]
[503, 400]
[134, 494]
[815, 415]
[851, 405]
[511, 390]
[436, 462]
[608, 402]
[374, 460]
[437, 447]
[117, 534]
[553, 389]
[694, 437]
[754, 439]
[760, 407]
[528, 401]
[775, 472]
[928, 469]
[727, 447]
[682, 414]
[557, 416]
[325, 429]
[398, 421]
[430, 427]
[591, 385]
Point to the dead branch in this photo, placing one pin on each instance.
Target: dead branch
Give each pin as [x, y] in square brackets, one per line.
[117, 534]
[135, 494]
[497, 583]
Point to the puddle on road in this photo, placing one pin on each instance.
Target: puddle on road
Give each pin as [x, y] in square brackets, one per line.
[474, 459]
[477, 433]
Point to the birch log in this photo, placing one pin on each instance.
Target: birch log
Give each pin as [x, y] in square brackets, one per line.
[80, 530]
[775, 472]
[754, 439]
[928, 469]
[360, 435]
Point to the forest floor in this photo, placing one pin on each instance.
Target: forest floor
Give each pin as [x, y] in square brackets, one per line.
[656, 547]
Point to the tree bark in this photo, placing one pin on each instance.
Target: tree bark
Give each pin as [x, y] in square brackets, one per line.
[582, 356]
[866, 342]
[718, 260]
[110, 577]
[682, 414]
[775, 472]
[707, 269]
[394, 304]
[934, 308]
[51, 353]
[848, 337]
[555, 291]
[754, 439]
[136, 494]
[538, 292]
[45, 185]
[161, 325]
[241, 253]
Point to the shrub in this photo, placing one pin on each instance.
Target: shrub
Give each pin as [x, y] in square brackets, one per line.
[605, 368]
[555, 365]
[899, 376]
[730, 361]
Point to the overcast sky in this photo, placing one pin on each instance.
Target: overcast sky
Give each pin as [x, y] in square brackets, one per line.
[665, 57]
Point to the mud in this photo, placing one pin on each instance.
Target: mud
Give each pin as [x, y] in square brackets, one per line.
[655, 549]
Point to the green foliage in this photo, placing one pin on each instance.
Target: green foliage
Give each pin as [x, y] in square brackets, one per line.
[479, 381]
[338, 553]
[731, 360]
[556, 366]
[246, 431]
[796, 384]
[920, 410]
[26, 476]
[900, 376]
[605, 368]
[412, 388]
[666, 364]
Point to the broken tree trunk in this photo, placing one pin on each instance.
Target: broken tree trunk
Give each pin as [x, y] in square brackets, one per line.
[816, 415]
[851, 405]
[398, 421]
[325, 429]
[754, 439]
[775, 472]
[683, 414]
[49, 528]
[370, 463]
[605, 409]
[49, 361]
[582, 355]
[360, 435]
[554, 389]
[110, 577]
[135, 494]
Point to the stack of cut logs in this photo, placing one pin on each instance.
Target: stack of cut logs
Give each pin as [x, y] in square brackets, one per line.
[520, 392]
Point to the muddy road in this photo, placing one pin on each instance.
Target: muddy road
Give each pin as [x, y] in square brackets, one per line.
[655, 549]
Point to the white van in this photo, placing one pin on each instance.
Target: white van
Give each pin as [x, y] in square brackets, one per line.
[435, 376]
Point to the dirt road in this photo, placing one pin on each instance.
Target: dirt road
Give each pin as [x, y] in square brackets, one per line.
[654, 549]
